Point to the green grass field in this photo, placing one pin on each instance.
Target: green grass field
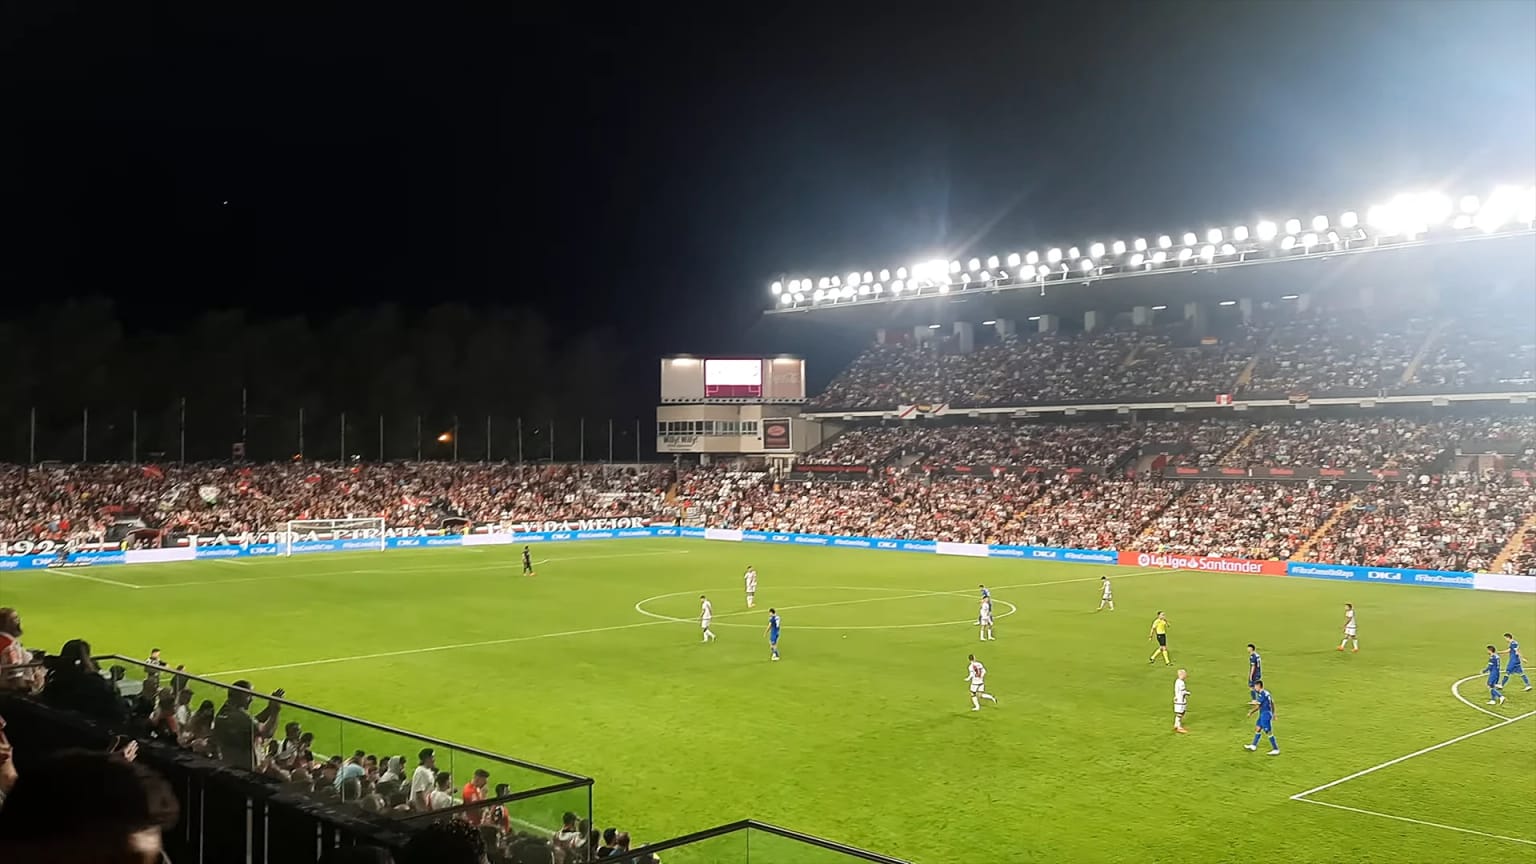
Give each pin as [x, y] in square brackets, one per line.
[864, 733]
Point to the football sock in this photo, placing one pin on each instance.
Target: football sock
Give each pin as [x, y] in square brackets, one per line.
[1256, 738]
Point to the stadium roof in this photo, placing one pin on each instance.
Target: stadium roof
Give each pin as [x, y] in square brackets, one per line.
[1407, 221]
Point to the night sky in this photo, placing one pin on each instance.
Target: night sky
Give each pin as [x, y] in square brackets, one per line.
[655, 169]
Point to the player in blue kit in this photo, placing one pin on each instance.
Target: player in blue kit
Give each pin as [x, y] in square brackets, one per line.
[1263, 703]
[1495, 697]
[1516, 663]
[1255, 670]
[773, 632]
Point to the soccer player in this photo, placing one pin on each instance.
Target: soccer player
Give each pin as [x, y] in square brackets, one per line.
[976, 674]
[1516, 663]
[1349, 627]
[773, 632]
[1180, 702]
[1263, 703]
[1107, 600]
[985, 594]
[706, 612]
[751, 579]
[527, 561]
[985, 620]
[1495, 695]
[1160, 633]
[1255, 668]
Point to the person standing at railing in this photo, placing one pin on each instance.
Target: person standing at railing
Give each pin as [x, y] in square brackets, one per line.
[236, 731]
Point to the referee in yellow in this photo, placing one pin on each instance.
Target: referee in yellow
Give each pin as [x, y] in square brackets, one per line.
[1160, 633]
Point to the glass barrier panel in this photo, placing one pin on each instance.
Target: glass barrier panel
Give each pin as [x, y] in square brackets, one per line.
[554, 822]
[745, 843]
[729, 848]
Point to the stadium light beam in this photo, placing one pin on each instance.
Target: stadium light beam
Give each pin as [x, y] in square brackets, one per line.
[1189, 238]
[1319, 223]
[1349, 219]
[1293, 226]
[1213, 236]
[992, 263]
[777, 288]
[1013, 259]
[1266, 231]
[1096, 251]
[974, 265]
[1140, 244]
[1117, 247]
[1240, 234]
[1165, 242]
[1032, 258]
[1207, 253]
[1137, 259]
[1185, 254]
[1053, 256]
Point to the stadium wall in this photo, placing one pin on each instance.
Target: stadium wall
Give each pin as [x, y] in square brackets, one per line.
[1208, 564]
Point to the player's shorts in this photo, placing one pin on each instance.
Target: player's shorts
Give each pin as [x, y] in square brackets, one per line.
[1265, 722]
[704, 623]
[1179, 709]
[1162, 639]
[986, 620]
[1349, 632]
[773, 638]
[1515, 669]
[1109, 597]
[751, 594]
[1493, 683]
[978, 688]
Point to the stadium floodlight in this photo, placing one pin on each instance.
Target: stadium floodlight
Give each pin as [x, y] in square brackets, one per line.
[985, 276]
[1165, 242]
[954, 266]
[837, 281]
[1087, 265]
[1462, 222]
[965, 278]
[1289, 296]
[1137, 259]
[1240, 233]
[1333, 237]
[1228, 249]
[1185, 254]
[1013, 259]
[1159, 257]
[879, 288]
[799, 298]
[992, 262]
[868, 277]
[1141, 244]
[777, 288]
[863, 290]
[1498, 210]
[785, 299]
[853, 278]
[1002, 274]
[818, 295]
[1190, 238]
[988, 323]
[1308, 240]
[1074, 254]
[1469, 204]
[1227, 303]
[1293, 226]
[1096, 250]
[898, 286]
[1288, 243]
[1382, 219]
[885, 275]
[944, 288]
[1044, 271]
[848, 291]
[1319, 223]
[974, 265]
[1158, 308]
[1034, 317]
[1032, 258]
[901, 272]
[1054, 255]
[1349, 219]
[1213, 236]
[1207, 253]
[1117, 247]
[934, 326]
[1266, 231]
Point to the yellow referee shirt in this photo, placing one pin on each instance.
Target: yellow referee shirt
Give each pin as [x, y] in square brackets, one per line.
[1159, 626]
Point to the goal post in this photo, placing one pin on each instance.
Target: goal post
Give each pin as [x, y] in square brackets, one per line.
[363, 533]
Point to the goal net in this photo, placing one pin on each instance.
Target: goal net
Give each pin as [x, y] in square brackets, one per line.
[305, 535]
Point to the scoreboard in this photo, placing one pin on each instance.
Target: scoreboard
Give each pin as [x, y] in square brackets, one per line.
[732, 379]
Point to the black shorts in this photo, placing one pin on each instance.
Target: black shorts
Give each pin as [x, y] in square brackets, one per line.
[1162, 639]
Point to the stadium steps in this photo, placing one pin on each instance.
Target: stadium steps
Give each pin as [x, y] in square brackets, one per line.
[1240, 446]
[1246, 375]
[1515, 544]
[1411, 371]
[1322, 530]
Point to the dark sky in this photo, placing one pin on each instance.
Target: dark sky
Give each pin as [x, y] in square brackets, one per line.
[654, 169]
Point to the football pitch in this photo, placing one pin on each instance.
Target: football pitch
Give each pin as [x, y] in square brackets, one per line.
[864, 732]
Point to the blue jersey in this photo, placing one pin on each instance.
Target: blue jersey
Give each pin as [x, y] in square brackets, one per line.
[1516, 662]
[773, 628]
[1266, 704]
[1493, 668]
[1254, 664]
[985, 594]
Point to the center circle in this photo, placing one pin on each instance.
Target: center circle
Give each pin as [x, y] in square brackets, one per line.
[900, 594]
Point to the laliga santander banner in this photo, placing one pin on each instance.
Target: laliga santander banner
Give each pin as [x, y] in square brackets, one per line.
[1203, 564]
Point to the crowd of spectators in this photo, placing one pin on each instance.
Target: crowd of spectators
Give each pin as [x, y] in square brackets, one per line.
[1236, 519]
[1358, 444]
[1481, 351]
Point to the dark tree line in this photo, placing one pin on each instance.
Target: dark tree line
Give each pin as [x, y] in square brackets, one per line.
[106, 390]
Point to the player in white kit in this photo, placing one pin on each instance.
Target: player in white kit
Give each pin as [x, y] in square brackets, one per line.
[706, 612]
[751, 579]
[985, 620]
[1107, 600]
[976, 674]
[1180, 702]
[1349, 628]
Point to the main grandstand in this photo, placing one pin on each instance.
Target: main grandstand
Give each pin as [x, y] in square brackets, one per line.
[1348, 398]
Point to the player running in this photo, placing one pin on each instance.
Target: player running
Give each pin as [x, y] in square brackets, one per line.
[1160, 633]
[985, 620]
[1515, 665]
[1107, 600]
[1255, 668]
[527, 561]
[1495, 695]
[1263, 703]
[1180, 702]
[1349, 628]
[706, 612]
[976, 674]
[751, 580]
[773, 632]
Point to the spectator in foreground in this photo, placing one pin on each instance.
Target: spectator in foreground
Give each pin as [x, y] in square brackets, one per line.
[474, 791]
[13, 657]
[424, 780]
[130, 806]
[75, 684]
[236, 730]
[452, 841]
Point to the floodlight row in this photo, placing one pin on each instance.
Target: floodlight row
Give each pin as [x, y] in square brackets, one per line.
[1405, 218]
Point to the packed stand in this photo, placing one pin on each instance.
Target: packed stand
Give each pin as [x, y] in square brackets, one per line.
[1266, 521]
[1481, 352]
[1354, 445]
[1327, 352]
[1454, 522]
[865, 445]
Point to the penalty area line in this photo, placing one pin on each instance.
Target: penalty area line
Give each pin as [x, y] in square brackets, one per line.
[1455, 828]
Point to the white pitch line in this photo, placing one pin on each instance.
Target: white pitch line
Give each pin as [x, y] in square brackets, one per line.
[1455, 691]
[1374, 768]
[1419, 821]
[73, 575]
